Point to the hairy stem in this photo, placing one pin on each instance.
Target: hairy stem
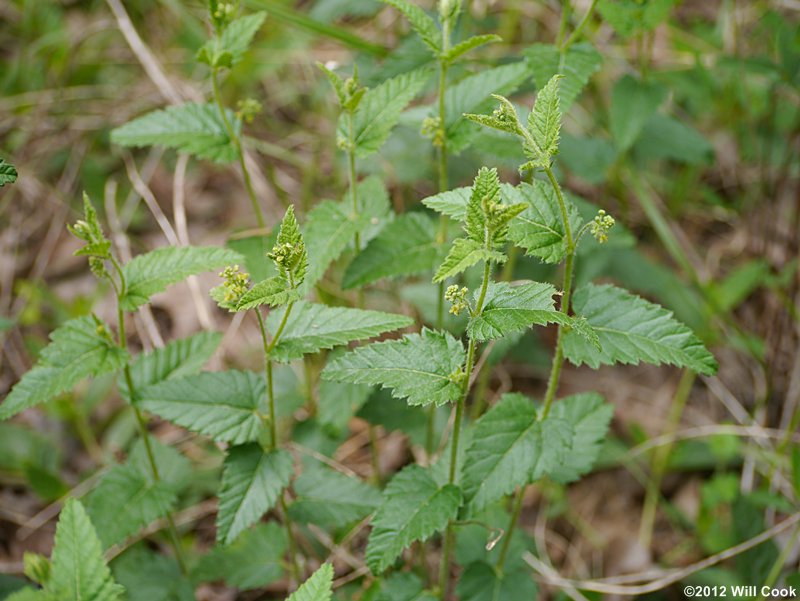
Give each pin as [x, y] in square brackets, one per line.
[237, 143]
[140, 419]
[558, 357]
[518, 498]
[444, 570]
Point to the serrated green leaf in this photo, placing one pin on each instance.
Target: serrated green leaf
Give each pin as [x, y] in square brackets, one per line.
[417, 367]
[483, 582]
[290, 254]
[317, 588]
[224, 405]
[227, 49]
[539, 229]
[197, 129]
[379, 110]
[28, 594]
[79, 571]
[331, 499]
[253, 560]
[588, 416]
[81, 347]
[153, 272]
[414, 508]
[338, 402]
[666, 138]
[544, 125]
[125, 501]
[510, 448]
[252, 481]
[406, 246]
[473, 94]
[8, 174]
[633, 102]
[577, 65]
[272, 292]
[452, 203]
[510, 308]
[630, 330]
[312, 327]
[464, 254]
[149, 576]
[175, 360]
[485, 190]
[424, 26]
[629, 16]
[174, 469]
[462, 48]
[332, 226]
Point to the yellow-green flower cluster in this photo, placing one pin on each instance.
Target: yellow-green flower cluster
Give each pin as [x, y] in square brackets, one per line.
[601, 225]
[236, 284]
[433, 130]
[458, 298]
[248, 109]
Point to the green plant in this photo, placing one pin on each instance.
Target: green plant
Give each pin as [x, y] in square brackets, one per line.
[264, 442]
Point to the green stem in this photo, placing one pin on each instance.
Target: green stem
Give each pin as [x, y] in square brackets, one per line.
[237, 143]
[558, 357]
[775, 571]
[273, 429]
[579, 29]
[442, 161]
[661, 458]
[444, 571]
[292, 541]
[351, 170]
[501, 560]
[565, 15]
[142, 424]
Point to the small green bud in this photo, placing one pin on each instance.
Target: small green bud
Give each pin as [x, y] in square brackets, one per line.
[236, 284]
[458, 297]
[433, 130]
[601, 225]
[449, 9]
[247, 109]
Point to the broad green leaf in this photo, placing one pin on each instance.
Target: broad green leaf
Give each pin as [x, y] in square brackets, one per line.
[414, 508]
[630, 330]
[177, 359]
[332, 226]
[464, 254]
[153, 272]
[197, 129]
[174, 469]
[253, 560]
[511, 448]
[28, 594]
[423, 368]
[483, 582]
[452, 203]
[22, 448]
[272, 292]
[224, 405]
[473, 95]
[666, 138]
[509, 309]
[403, 586]
[290, 254]
[544, 126]
[312, 327]
[331, 499]
[228, 48]
[253, 250]
[379, 110]
[588, 416]
[424, 26]
[252, 481]
[338, 402]
[81, 347]
[79, 571]
[540, 229]
[577, 65]
[8, 174]
[317, 588]
[406, 246]
[628, 17]
[125, 501]
[633, 102]
[462, 48]
[151, 576]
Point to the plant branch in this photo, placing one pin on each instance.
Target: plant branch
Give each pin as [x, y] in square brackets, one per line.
[237, 143]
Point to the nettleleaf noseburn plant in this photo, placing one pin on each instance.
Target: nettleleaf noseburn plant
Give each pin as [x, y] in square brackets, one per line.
[515, 443]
